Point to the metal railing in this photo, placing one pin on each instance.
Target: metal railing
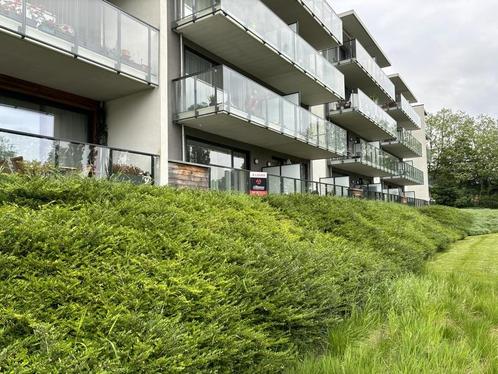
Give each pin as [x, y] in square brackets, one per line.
[237, 180]
[258, 19]
[21, 152]
[407, 108]
[406, 138]
[362, 103]
[352, 49]
[367, 154]
[410, 172]
[322, 10]
[222, 89]
[94, 30]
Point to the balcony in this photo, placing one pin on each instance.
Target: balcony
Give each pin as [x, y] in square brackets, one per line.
[367, 160]
[404, 114]
[247, 34]
[363, 117]
[226, 103]
[319, 24]
[23, 153]
[104, 52]
[405, 146]
[361, 71]
[406, 175]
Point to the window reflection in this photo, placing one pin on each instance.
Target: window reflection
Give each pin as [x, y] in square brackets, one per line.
[26, 121]
[200, 152]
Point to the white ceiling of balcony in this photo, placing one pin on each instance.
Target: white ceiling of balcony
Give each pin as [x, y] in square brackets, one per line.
[309, 28]
[39, 64]
[402, 88]
[238, 129]
[356, 29]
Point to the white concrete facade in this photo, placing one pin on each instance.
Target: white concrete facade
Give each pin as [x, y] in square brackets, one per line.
[421, 191]
[140, 115]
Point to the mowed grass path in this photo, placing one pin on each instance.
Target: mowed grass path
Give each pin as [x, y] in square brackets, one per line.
[445, 321]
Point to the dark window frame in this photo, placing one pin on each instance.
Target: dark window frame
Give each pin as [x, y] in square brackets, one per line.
[220, 145]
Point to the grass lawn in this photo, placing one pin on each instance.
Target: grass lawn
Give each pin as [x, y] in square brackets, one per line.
[445, 321]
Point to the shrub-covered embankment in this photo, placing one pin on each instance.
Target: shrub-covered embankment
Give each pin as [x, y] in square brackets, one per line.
[102, 276]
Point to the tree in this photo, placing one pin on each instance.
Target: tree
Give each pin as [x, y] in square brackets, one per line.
[6, 149]
[464, 158]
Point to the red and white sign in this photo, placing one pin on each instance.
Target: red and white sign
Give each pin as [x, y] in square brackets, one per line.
[258, 183]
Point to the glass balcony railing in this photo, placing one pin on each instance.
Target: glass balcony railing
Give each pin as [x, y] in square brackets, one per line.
[222, 89]
[352, 49]
[410, 112]
[409, 172]
[367, 154]
[363, 104]
[407, 139]
[93, 29]
[259, 20]
[22, 152]
[324, 12]
[237, 181]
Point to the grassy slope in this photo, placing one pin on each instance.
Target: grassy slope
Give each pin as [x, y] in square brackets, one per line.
[114, 277]
[445, 321]
[485, 221]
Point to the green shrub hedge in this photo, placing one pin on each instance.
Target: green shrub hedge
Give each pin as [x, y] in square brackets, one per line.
[111, 277]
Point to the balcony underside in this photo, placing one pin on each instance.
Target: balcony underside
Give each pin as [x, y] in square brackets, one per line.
[225, 38]
[240, 129]
[402, 181]
[359, 167]
[357, 77]
[310, 28]
[353, 120]
[40, 64]
[403, 120]
[399, 150]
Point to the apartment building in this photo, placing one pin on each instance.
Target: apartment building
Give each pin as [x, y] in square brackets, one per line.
[201, 92]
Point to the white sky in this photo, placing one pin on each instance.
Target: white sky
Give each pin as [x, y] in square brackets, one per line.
[445, 50]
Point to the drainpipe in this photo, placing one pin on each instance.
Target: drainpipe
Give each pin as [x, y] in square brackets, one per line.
[182, 73]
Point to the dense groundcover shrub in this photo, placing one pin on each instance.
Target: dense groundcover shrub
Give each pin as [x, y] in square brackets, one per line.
[399, 233]
[101, 276]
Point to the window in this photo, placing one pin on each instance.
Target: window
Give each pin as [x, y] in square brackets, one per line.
[46, 120]
[24, 120]
[195, 63]
[201, 152]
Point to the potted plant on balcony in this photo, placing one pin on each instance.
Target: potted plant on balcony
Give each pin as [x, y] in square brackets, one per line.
[129, 173]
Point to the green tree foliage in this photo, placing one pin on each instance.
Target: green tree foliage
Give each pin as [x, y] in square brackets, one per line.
[6, 149]
[464, 159]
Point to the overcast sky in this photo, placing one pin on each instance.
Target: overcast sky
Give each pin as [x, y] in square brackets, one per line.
[446, 50]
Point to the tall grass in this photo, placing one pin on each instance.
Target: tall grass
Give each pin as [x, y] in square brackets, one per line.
[484, 221]
[445, 321]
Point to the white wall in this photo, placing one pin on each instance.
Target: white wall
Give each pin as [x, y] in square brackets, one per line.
[140, 121]
[145, 10]
[134, 122]
[422, 191]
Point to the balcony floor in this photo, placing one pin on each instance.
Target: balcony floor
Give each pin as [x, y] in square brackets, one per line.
[40, 64]
[356, 166]
[353, 120]
[399, 150]
[225, 38]
[230, 126]
[357, 77]
[403, 120]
